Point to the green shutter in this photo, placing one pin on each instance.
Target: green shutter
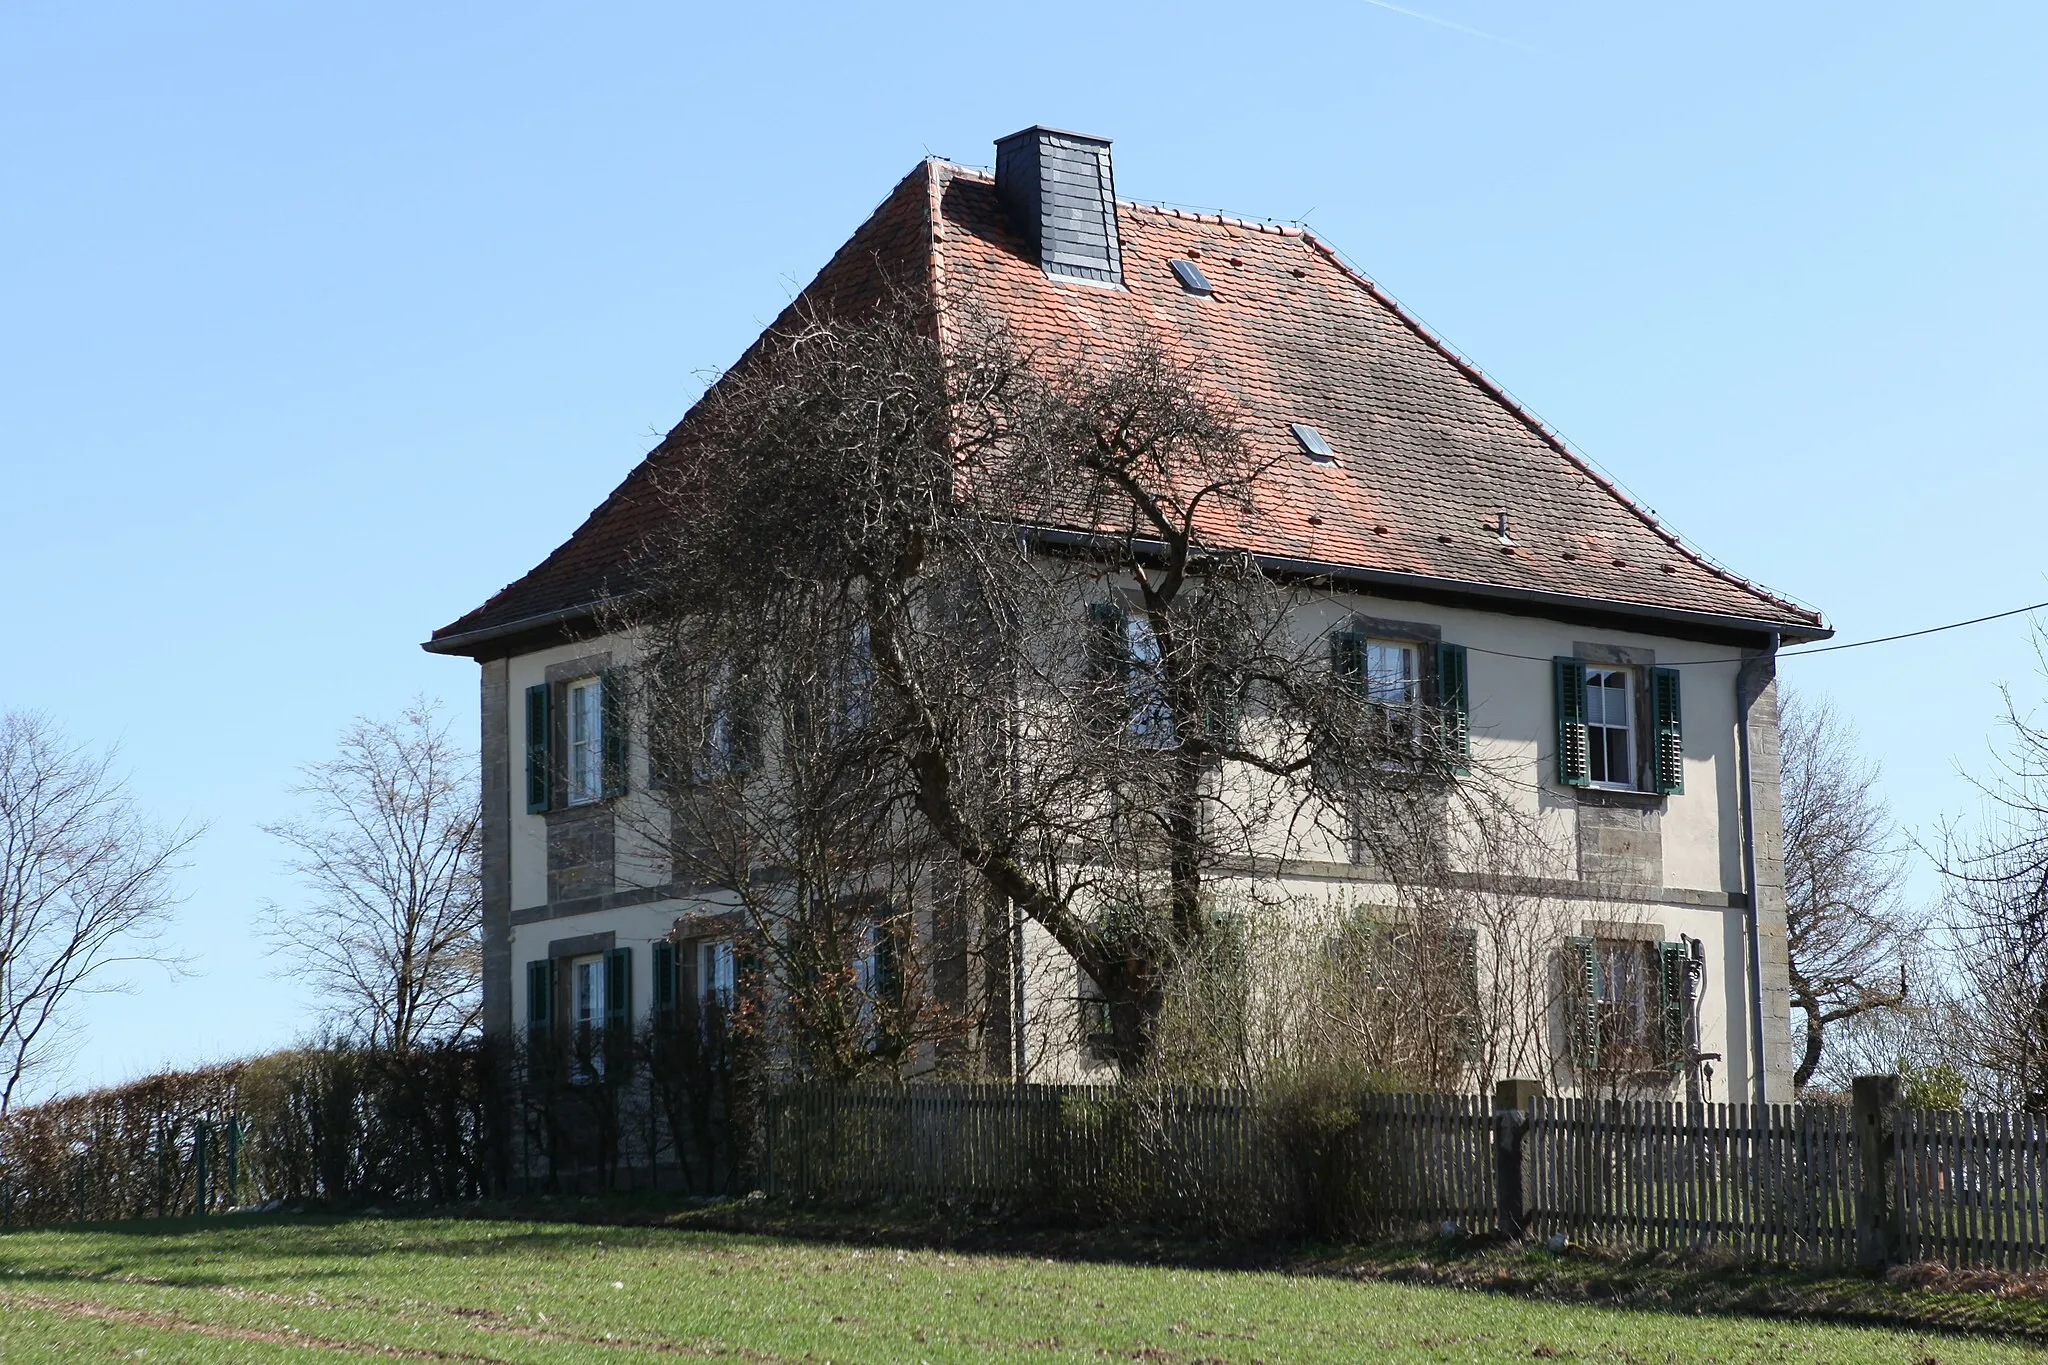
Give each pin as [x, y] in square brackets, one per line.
[1465, 961]
[1670, 732]
[1347, 655]
[664, 980]
[618, 1012]
[540, 764]
[1454, 708]
[1221, 712]
[1671, 963]
[618, 988]
[1582, 1000]
[1572, 770]
[1108, 653]
[540, 998]
[1109, 649]
[614, 728]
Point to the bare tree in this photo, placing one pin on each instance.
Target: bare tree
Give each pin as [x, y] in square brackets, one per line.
[1995, 903]
[391, 932]
[1061, 695]
[85, 890]
[1846, 921]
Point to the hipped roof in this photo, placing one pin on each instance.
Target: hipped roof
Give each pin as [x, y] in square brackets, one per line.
[1429, 451]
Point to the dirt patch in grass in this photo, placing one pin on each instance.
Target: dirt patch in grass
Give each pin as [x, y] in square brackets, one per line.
[160, 1321]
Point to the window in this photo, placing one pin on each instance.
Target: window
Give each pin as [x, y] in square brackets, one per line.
[587, 1015]
[1393, 687]
[715, 974]
[1097, 1022]
[1145, 682]
[1628, 1002]
[1125, 650]
[1610, 728]
[857, 683]
[1389, 673]
[732, 734]
[585, 701]
[1604, 740]
[586, 992]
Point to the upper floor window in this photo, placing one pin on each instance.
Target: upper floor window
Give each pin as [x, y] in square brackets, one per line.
[575, 742]
[1619, 727]
[585, 706]
[1610, 728]
[1126, 650]
[1389, 673]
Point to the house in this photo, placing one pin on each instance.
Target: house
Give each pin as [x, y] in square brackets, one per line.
[1626, 677]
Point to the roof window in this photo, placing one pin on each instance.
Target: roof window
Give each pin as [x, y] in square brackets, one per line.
[1191, 278]
[1312, 443]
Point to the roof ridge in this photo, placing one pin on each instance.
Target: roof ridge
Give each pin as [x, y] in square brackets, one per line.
[1549, 437]
[1165, 210]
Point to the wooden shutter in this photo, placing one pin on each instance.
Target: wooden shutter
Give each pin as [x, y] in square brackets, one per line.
[1582, 1002]
[665, 983]
[1221, 711]
[1669, 736]
[1109, 668]
[1671, 964]
[1572, 770]
[1464, 960]
[1454, 709]
[540, 999]
[618, 1012]
[540, 764]
[613, 725]
[618, 988]
[1347, 656]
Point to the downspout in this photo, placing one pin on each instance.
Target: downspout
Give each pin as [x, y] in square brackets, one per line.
[1750, 680]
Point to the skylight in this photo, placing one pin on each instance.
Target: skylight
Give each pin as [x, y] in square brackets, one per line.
[1312, 442]
[1191, 278]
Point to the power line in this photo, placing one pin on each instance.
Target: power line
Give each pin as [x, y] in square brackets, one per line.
[1816, 649]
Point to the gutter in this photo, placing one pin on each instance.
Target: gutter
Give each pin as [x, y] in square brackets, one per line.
[1535, 597]
[1746, 698]
[1287, 567]
[460, 644]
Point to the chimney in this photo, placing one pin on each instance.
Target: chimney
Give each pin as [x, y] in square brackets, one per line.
[1059, 193]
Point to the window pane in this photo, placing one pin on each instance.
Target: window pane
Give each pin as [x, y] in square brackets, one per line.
[1390, 672]
[1617, 757]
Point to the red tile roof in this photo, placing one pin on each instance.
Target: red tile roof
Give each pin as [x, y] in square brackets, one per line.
[1429, 451]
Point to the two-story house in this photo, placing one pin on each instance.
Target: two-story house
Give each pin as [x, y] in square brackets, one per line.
[1626, 677]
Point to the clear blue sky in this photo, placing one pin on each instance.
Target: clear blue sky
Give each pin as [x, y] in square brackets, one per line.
[319, 322]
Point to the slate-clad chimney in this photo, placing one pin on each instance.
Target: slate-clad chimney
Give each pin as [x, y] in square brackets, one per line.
[1060, 194]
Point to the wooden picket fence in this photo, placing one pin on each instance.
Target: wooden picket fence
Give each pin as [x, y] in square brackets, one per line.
[1381, 1163]
[1785, 1183]
[1970, 1188]
[1774, 1181]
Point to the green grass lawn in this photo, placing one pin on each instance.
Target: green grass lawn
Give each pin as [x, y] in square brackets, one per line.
[477, 1290]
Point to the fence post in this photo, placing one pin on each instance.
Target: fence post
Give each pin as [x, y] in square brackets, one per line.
[1511, 1104]
[1875, 1101]
[234, 1159]
[201, 1132]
